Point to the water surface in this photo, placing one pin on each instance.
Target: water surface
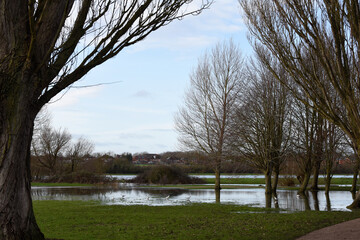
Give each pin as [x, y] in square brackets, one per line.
[131, 194]
[131, 176]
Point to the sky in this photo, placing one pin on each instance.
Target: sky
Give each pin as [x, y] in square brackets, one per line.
[136, 114]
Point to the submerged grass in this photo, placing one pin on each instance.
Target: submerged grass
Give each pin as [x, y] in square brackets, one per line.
[90, 220]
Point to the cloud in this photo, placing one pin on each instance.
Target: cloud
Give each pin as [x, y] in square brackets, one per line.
[142, 94]
[197, 31]
[160, 130]
[139, 140]
[136, 109]
[134, 136]
[73, 95]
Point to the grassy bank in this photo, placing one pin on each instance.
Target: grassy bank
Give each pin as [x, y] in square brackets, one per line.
[41, 184]
[249, 180]
[89, 220]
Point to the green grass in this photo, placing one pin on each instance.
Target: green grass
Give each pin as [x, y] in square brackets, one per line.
[90, 220]
[236, 180]
[226, 183]
[249, 180]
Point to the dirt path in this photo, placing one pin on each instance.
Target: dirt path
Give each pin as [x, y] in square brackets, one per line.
[347, 230]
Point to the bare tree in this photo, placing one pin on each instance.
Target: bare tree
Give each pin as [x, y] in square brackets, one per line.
[78, 150]
[335, 146]
[204, 122]
[263, 123]
[305, 35]
[49, 146]
[45, 47]
[306, 141]
[43, 119]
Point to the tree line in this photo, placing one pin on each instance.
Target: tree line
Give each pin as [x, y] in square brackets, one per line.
[317, 44]
[237, 109]
[299, 95]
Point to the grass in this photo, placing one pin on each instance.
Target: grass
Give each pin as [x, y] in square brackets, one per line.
[90, 220]
[226, 183]
[236, 180]
[249, 180]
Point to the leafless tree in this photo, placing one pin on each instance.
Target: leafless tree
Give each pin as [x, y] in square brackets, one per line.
[203, 123]
[263, 123]
[45, 47]
[78, 150]
[306, 34]
[49, 146]
[307, 141]
[335, 146]
[43, 119]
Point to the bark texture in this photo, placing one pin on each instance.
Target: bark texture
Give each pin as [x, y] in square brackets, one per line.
[17, 220]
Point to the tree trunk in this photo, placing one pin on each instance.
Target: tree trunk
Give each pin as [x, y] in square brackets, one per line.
[328, 202]
[276, 201]
[268, 189]
[304, 183]
[276, 178]
[315, 180]
[356, 202]
[268, 200]
[217, 176]
[17, 220]
[355, 177]
[327, 181]
[319, 142]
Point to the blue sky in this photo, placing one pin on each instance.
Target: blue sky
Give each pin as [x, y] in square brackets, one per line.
[137, 114]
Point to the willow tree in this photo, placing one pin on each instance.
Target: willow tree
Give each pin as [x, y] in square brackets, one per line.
[204, 122]
[46, 46]
[306, 142]
[262, 126]
[305, 35]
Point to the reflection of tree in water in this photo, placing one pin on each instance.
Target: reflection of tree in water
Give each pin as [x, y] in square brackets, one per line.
[316, 200]
[217, 195]
[328, 202]
[292, 200]
[68, 191]
[99, 192]
[160, 192]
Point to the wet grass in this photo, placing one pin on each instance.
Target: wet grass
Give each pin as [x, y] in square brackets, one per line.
[236, 180]
[226, 183]
[250, 180]
[90, 220]
[229, 183]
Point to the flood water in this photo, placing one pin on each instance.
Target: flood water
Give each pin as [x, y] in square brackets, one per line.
[131, 194]
[130, 176]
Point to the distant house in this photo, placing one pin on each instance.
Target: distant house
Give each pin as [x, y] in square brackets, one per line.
[147, 158]
[345, 161]
[174, 160]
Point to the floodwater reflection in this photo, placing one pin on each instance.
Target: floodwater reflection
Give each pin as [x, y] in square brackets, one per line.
[131, 194]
